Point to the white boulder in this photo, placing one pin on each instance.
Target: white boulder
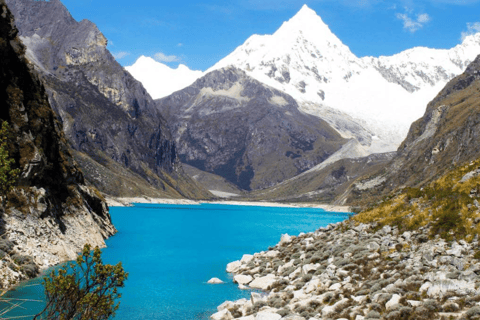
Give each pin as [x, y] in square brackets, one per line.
[263, 282]
[246, 258]
[214, 281]
[222, 315]
[394, 301]
[265, 315]
[285, 238]
[242, 279]
[233, 266]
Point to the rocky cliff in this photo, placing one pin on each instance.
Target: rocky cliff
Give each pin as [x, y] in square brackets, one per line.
[51, 213]
[254, 136]
[107, 115]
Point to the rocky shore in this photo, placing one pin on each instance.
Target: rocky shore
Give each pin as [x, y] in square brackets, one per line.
[358, 271]
[125, 202]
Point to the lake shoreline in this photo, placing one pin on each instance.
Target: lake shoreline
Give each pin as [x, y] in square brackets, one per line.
[129, 201]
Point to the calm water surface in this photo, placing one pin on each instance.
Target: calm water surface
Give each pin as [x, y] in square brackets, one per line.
[171, 251]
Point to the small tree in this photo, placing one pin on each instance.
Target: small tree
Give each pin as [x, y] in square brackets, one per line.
[85, 290]
[8, 175]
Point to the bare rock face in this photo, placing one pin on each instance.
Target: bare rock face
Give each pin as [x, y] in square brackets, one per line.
[107, 115]
[254, 136]
[52, 213]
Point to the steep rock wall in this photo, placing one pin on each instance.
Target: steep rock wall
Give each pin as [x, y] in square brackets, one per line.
[51, 213]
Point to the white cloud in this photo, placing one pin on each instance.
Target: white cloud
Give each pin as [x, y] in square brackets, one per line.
[423, 18]
[413, 25]
[179, 44]
[472, 28]
[161, 57]
[121, 55]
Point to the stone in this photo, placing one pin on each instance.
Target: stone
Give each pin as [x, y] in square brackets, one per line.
[310, 267]
[295, 273]
[250, 317]
[215, 281]
[226, 305]
[233, 266]
[246, 258]
[311, 286]
[242, 279]
[331, 309]
[414, 303]
[222, 315]
[272, 253]
[256, 297]
[335, 287]
[456, 250]
[263, 315]
[285, 238]
[373, 246]
[394, 301]
[459, 287]
[263, 282]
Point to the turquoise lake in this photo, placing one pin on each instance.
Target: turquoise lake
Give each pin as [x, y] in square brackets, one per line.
[171, 251]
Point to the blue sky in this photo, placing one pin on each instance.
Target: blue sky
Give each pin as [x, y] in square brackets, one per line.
[199, 33]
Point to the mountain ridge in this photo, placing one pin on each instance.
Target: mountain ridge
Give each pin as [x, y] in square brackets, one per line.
[321, 72]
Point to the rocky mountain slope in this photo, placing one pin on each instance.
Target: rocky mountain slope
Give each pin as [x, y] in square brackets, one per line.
[160, 80]
[381, 96]
[107, 115]
[446, 136]
[51, 213]
[254, 136]
[325, 182]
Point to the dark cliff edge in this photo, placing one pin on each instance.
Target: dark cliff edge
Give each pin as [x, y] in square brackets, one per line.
[51, 213]
[120, 140]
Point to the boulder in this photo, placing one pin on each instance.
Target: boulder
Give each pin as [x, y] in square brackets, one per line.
[215, 281]
[285, 238]
[310, 267]
[311, 286]
[233, 266]
[257, 297]
[272, 253]
[246, 258]
[226, 305]
[263, 282]
[222, 315]
[242, 279]
[459, 287]
[265, 315]
[394, 301]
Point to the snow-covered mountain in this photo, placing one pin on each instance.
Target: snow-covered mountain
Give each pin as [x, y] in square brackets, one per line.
[383, 95]
[160, 80]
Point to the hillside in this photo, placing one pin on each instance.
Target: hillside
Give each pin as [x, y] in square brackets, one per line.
[108, 117]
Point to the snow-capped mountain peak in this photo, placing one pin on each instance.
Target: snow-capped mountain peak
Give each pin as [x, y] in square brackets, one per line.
[385, 95]
[159, 79]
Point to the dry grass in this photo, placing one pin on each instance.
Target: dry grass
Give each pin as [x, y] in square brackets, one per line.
[446, 205]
